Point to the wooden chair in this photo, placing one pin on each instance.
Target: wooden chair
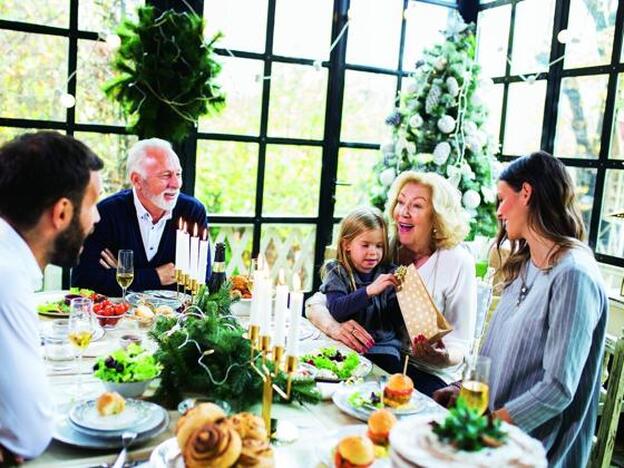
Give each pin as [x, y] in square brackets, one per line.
[610, 402]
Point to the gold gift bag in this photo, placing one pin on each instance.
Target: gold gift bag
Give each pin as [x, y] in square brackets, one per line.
[420, 314]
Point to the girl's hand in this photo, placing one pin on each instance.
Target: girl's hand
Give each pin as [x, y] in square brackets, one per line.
[435, 353]
[353, 335]
[381, 284]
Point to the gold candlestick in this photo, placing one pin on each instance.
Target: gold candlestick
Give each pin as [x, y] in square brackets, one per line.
[178, 279]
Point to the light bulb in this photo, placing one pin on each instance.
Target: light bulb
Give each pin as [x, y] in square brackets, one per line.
[531, 79]
[318, 64]
[67, 100]
[564, 36]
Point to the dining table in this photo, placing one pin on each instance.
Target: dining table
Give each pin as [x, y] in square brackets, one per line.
[315, 423]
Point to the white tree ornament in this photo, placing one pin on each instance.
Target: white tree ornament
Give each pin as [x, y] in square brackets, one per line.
[446, 124]
[386, 177]
[471, 199]
[441, 153]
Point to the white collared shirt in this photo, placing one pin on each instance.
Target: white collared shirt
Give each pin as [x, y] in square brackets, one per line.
[26, 410]
[150, 233]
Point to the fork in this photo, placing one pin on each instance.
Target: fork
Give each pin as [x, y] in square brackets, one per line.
[126, 439]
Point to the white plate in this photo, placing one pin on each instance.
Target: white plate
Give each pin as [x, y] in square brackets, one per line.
[158, 298]
[44, 297]
[86, 415]
[325, 449]
[419, 402]
[167, 455]
[362, 370]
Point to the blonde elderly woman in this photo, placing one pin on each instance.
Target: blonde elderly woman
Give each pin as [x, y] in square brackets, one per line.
[427, 227]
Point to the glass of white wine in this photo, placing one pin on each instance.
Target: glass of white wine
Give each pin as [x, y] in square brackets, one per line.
[125, 270]
[81, 329]
[475, 388]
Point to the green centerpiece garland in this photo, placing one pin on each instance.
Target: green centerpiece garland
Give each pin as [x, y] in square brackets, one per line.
[205, 352]
[166, 74]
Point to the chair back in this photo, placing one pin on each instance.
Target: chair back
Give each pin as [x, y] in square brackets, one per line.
[610, 406]
[484, 301]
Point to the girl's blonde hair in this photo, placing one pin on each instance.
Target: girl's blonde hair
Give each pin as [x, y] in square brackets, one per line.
[355, 223]
[450, 221]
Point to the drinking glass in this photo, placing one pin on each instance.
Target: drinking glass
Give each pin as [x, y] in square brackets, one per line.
[125, 270]
[81, 329]
[475, 388]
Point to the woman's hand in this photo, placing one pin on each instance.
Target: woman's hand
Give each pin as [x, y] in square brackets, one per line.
[351, 334]
[447, 396]
[9, 458]
[381, 284]
[435, 353]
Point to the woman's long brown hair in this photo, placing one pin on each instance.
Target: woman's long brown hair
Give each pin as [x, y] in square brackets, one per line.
[553, 210]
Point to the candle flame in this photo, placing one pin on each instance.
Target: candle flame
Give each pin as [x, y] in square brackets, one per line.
[296, 281]
[195, 230]
[281, 280]
[185, 227]
[180, 224]
[205, 236]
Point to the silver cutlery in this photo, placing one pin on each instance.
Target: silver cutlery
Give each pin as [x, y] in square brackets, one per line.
[126, 439]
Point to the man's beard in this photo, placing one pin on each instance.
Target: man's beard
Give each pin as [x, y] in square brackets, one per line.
[68, 244]
[160, 202]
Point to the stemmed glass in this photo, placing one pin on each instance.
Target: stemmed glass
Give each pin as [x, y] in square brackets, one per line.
[81, 329]
[475, 388]
[125, 270]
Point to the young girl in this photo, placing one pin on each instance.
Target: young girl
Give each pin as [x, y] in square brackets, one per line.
[359, 284]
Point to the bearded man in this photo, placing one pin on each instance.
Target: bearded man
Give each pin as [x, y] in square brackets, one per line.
[49, 186]
[143, 219]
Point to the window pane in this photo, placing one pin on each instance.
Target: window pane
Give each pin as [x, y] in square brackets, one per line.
[105, 15]
[424, 24]
[617, 134]
[238, 244]
[355, 167]
[523, 125]
[243, 98]
[611, 232]
[591, 26]
[303, 29]
[32, 76]
[493, 34]
[579, 120]
[368, 99]
[532, 36]
[290, 247]
[113, 149]
[292, 181]
[92, 105]
[225, 177]
[375, 32]
[242, 22]
[297, 104]
[48, 12]
[585, 183]
[493, 98]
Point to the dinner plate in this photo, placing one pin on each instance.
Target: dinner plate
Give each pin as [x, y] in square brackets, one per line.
[86, 415]
[419, 403]
[44, 328]
[158, 298]
[157, 415]
[167, 455]
[44, 297]
[322, 375]
[325, 450]
[66, 432]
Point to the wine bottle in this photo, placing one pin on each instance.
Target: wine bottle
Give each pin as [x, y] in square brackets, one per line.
[217, 277]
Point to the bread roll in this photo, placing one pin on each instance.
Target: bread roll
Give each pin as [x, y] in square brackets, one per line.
[110, 403]
[249, 426]
[256, 453]
[213, 444]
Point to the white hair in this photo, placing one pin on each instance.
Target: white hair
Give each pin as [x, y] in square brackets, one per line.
[139, 151]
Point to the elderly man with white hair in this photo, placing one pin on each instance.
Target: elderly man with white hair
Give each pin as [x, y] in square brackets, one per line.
[143, 219]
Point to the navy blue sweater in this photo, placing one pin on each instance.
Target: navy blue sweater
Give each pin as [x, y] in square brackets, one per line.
[119, 229]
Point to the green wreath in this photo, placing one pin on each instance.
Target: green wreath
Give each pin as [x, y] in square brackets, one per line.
[166, 74]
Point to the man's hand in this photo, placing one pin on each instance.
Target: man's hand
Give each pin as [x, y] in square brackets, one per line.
[108, 260]
[166, 274]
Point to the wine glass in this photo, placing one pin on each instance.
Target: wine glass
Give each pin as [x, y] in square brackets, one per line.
[475, 385]
[81, 329]
[125, 270]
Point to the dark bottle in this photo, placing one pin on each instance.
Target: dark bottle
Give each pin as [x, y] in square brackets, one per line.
[217, 277]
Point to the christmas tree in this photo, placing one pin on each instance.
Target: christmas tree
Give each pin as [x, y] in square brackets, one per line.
[438, 127]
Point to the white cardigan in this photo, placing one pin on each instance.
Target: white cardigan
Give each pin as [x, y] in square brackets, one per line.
[449, 275]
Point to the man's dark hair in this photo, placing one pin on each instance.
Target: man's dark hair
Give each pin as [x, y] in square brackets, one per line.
[38, 169]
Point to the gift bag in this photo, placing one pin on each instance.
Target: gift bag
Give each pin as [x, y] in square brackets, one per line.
[420, 314]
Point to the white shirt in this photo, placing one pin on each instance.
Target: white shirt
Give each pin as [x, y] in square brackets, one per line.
[150, 233]
[26, 411]
[449, 275]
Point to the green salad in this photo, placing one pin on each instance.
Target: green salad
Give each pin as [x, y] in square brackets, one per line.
[372, 401]
[332, 363]
[133, 365]
[61, 306]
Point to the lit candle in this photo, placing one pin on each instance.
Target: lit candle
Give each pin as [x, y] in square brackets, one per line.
[254, 314]
[194, 254]
[184, 266]
[296, 308]
[203, 257]
[267, 302]
[281, 306]
[179, 244]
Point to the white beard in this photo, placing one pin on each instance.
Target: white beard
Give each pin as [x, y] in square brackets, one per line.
[160, 202]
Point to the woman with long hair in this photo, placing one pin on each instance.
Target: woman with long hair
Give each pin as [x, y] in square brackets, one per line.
[546, 337]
